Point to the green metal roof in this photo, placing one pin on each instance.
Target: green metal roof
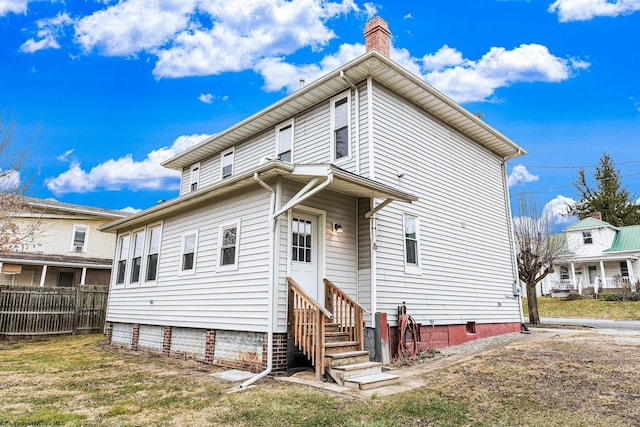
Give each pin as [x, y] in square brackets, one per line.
[627, 239]
[588, 223]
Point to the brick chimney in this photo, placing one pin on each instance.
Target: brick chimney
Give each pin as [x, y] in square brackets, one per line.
[377, 35]
[596, 215]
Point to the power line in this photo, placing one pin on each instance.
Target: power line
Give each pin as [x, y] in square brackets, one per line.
[575, 167]
[555, 187]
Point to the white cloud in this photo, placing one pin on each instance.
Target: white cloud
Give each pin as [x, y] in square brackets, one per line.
[584, 10]
[519, 174]
[65, 156]
[207, 98]
[370, 10]
[115, 174]
[132, 26]
[249, 32]
[408, 16]
[461, 79]
[443, 58]
[49, 30]
[557, 210]
[13, 6]
[477, 80]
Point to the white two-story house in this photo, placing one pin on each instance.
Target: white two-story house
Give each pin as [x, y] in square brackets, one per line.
[361, 192]
[598, 256]
[66, 249]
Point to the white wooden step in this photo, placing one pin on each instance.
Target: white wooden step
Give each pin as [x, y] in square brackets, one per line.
[371, 381]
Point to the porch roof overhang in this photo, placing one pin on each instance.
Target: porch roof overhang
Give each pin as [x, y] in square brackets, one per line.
[341, 182]
[56, 260]
[371, 64]
[615, 256]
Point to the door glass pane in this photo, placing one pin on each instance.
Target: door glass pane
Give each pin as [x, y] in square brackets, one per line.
[301, 240]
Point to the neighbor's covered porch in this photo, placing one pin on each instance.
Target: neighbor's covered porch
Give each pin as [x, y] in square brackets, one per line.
[597, 273]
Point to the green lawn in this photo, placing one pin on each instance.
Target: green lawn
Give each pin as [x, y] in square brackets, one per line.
[77, 381]
[586, 308]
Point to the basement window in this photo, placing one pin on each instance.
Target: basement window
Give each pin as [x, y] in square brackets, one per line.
[471, 327]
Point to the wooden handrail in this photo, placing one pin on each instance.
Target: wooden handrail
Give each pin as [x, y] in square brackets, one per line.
[346, 312]
[308, 328]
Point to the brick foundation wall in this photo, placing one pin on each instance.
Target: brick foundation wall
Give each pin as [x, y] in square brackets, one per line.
[135, 337]
[441, 336]
[109, 332]
[210, 346]
[166, 341]
[280, 356]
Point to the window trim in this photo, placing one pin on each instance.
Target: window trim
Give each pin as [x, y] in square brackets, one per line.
[223, 154]
[410, 268]
[76, 227]
[132, 245]
[192, 270]
[587, 235]
[119, 259]
[194, 172]
[332, 119]
[279, 128]
[221, 228]
[147, 253]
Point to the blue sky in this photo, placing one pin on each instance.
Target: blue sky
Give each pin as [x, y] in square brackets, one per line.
[107, 90]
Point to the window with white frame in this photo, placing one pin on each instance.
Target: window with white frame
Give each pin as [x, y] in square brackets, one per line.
[228, 244]
[227, 163]
[194, 177]
[123, 254]
[189, 244]
[587, 238]
[79, 242]
[411, 246]
[153, 253]
[284, 138]
[564, 272]
[340, 112]
[136, 260]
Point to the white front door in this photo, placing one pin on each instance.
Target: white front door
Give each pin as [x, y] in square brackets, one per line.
[303, 252]
[593, 274]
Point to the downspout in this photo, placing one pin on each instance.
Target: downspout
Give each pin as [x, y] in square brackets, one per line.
[357, 96]
[273, 221]
[372, 220]
[514, 262]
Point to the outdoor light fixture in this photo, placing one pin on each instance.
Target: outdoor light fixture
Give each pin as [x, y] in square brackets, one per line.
[337, 228]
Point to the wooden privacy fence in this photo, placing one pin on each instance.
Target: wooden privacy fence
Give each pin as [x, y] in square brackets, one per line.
[31, 311]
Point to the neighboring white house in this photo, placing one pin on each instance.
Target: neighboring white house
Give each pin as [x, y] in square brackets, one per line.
[369, 178]
[598, 256]
[67, 248]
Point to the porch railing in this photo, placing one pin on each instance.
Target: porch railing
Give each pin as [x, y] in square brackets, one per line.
[308, 325]
[347, 313]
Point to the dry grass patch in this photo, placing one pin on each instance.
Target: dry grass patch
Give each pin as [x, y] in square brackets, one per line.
[570, 380]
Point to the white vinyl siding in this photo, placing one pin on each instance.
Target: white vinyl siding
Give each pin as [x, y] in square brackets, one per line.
[229, 300]
[467, 271]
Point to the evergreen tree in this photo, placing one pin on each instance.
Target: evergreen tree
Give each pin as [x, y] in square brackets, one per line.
[609, 197]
